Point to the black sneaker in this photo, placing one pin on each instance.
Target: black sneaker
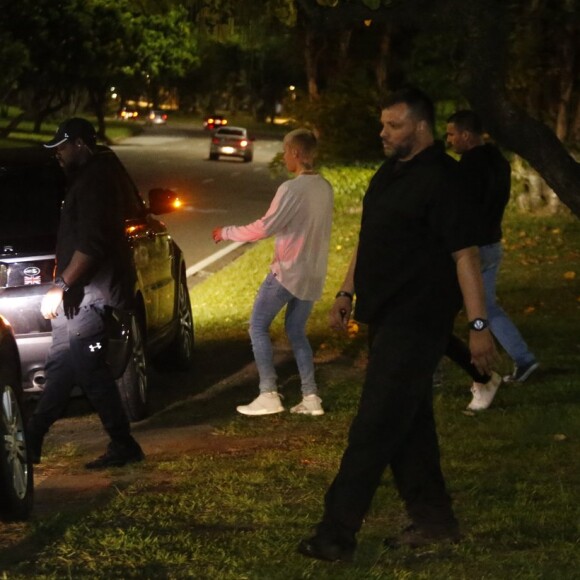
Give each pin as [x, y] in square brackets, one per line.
[117, 455]
[323, 548]
[520, 374]
[415, 536]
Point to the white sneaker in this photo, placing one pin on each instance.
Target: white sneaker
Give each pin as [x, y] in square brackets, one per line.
[264, 404]
[310, 405]
[483, 393]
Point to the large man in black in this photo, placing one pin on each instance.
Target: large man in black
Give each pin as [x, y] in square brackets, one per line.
[93, 275]
[416, 259]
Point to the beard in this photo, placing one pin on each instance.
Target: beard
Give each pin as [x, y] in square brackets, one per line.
[400, 151]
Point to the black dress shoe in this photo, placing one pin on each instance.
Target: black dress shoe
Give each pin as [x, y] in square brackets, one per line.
[415, 536]
[324, 548]
[117, 456]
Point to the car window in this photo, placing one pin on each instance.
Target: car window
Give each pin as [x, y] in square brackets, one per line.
[230, 132]
[30, 199]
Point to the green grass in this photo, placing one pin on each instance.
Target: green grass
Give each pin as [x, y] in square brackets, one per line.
[238, 508]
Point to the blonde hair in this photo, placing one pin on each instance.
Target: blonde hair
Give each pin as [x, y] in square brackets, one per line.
[305, 141]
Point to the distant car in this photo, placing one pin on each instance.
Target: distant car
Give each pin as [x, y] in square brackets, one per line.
[32, 187]
[156, 117]
[231, 142]
[16, 477]
[212, 122]
[128, 114]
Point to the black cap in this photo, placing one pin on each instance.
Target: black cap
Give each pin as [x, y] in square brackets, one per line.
[72, 129]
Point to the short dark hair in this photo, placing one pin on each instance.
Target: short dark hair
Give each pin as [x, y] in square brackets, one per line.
[466, 120]
[420, 105]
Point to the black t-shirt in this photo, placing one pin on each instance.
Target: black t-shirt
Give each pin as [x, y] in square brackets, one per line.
[92, 222]
[415, 214]
[488, 176]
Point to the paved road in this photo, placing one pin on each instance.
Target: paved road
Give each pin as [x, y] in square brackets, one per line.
[222, 192]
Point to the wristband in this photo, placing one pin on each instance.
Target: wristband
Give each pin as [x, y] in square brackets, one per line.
[345, 294]
[61, 284]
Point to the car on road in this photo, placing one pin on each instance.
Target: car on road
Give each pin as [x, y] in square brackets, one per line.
[156, 117]
[212, 122]
[16, 474]
[231, 142]
[128, 114]
[32, 187]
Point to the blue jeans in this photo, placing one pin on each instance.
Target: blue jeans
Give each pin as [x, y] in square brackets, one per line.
[501, 326]
[271, 298]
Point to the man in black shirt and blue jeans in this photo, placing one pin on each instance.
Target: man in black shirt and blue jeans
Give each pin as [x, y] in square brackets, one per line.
[416, 259]
[93, 273]
[487, 174]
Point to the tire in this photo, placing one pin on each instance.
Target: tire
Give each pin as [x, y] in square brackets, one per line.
[248, 157]
[213, 156]
[179, 354]
[16, 473]
[133, 385]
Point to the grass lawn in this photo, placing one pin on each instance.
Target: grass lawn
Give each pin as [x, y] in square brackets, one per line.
[236, 509]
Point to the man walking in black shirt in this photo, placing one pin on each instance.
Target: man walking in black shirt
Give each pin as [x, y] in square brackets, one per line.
[416, 259]
[487, 175]
[93, 274]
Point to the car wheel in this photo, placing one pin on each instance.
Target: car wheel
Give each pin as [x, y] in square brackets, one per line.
[179, 354]
[213, 156]
[133, 385]
[16, 478]
[248, 157]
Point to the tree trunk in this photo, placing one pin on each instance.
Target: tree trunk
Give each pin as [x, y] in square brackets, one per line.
[382, 65]
[311, 56]
[568, 57]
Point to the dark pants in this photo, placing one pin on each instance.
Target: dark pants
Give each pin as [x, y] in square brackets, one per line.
[460, 354]
[395, 427]
[78, 357]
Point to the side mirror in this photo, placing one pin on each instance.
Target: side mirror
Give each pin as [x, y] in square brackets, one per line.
[163, 201]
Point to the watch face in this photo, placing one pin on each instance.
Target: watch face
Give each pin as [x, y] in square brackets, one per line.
[478, 324]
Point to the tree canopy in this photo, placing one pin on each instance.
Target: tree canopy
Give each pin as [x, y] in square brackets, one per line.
[516, 62]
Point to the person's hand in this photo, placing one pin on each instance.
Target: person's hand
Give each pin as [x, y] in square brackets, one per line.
[483, 351]
[51, 302]
[217, 235]
[340, 312]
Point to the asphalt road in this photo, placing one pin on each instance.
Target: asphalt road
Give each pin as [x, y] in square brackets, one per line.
[214, 193]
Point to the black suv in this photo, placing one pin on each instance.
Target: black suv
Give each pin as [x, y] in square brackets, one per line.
[32, 187]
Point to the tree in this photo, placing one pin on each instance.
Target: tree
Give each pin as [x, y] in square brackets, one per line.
[481, 34]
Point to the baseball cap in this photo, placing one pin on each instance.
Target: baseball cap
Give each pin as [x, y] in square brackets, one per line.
[72, 129]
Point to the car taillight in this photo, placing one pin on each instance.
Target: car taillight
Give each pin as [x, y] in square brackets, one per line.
[215, 141]
[243, 143]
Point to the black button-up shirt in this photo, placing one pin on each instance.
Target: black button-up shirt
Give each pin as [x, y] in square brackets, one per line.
[415, 214]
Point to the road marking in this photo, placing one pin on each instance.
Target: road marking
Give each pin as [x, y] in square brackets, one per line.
[213, 258]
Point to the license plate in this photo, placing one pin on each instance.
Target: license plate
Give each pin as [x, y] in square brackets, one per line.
[228, 150]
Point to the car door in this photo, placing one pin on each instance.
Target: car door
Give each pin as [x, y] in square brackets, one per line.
[153, 257]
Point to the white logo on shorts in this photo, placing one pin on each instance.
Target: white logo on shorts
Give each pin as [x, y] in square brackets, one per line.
[94, 347]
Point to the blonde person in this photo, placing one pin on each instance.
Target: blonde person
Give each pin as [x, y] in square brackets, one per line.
[300, 218]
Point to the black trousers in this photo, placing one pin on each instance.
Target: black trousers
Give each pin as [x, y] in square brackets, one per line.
[395, 427]
[460, 354]
[78, 357]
